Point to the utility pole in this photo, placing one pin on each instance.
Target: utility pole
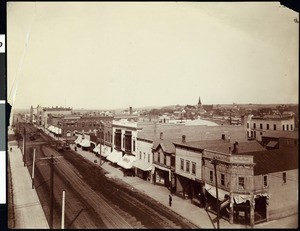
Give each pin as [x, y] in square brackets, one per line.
[214, 162]
[51, 195]
[24, 147]
[33, 165]
[63, 211]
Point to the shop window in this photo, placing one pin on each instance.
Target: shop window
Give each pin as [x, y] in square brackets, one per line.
[241, 182]
[284, 177]
[265, 181]
[223, 179]
[182, 164]
[211, 176]
[187, 167]
[193, 168]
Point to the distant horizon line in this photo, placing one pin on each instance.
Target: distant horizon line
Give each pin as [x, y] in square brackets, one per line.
[140, 107]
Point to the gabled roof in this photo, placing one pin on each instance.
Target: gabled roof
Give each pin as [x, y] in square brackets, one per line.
[276, 160]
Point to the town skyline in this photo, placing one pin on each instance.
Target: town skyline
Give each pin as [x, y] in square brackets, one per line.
[151, 54]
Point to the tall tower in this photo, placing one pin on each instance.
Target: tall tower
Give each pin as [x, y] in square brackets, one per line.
[200, 107]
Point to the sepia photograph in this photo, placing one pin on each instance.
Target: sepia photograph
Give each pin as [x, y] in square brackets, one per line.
[152, 115]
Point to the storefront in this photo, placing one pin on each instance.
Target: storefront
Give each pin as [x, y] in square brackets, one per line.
[142, 169]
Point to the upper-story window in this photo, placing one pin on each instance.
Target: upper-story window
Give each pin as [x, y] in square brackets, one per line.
[193, 168]
[182, 164]
[291, 127]
[144, 156]
[211, 176]
[284, 177]
[148, 158]
[241, 182]
[222, 179]
[254, 125]
[158, 157]
[261, 126]
[265, 181]
[274, 127]
[283, 128]
[187, 167]
[165, 159]
[140, 155]
[247, 125]
[82, 124]
[268, 126]
[134, 145]
[287, 127]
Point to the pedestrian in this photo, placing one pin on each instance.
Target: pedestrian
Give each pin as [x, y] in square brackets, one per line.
[170, 200]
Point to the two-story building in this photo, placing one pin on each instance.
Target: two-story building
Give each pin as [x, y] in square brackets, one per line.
[257, 126]
[124, 144]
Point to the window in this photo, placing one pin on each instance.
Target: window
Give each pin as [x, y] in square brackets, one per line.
[283, 127]
[254, 125]
[287, 127]
[292, 127]
[144, 156]
[165, 159]
[123, 141]
[268, 126]
[241, 182]
[181, 164]
[211, 176]
[148, 158]
[247, 125]
[193, 168]
[284, 177]
[265, 181]
[140, 155]
[274, 126]
[261, 126]
[261, 133]
[187, 167]
[158, 157]
[223, 179]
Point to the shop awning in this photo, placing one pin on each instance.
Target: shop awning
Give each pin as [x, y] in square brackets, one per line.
[85, 143]
[50, 128]
[126, 161]
[241, 198]
[56, 130]
[105, 151]
[143, 165]
[114, 156]
[212, 191]
[97, 149]
[78, 140]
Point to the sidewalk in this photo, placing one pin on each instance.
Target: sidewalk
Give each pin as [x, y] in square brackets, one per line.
[183, 207]
[27, 208]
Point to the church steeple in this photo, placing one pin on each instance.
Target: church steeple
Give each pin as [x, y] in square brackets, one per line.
[199, 102]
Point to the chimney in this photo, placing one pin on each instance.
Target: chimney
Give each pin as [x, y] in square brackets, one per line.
[223, 136]
[183, 138]
[161, 135]
[235, 147]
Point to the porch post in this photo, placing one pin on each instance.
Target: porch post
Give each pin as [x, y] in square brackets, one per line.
[231, 219]
[252, 209]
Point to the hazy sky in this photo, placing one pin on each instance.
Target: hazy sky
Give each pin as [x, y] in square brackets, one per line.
[114, 55]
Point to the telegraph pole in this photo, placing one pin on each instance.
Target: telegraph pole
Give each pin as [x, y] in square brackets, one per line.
[214, 162]
[63, 211]
[51, 195]
[33, 165]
